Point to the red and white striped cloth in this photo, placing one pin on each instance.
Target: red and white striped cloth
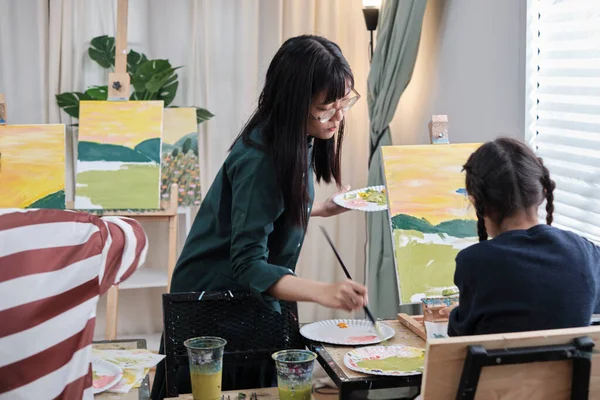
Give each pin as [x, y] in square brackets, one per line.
[54, 265]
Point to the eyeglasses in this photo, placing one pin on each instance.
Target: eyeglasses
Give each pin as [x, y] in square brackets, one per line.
[345, 107]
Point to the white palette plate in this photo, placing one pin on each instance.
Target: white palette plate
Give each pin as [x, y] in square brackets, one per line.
[353, 201]
[106, 375]
[358, 332]
[413, 359]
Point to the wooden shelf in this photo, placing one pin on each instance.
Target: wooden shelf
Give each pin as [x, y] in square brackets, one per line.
[146, 278]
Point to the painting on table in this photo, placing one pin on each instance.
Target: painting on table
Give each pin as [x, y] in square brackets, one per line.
[180, 163]
[118, 155]
[430, 214]
[32, 166]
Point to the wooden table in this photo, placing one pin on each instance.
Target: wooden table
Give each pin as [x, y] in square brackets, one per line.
[265, 394]
[331, 358]
[143, 393]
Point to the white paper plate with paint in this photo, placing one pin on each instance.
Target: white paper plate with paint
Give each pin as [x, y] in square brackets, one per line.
[367, 199]
[105, 375]
[386, 360]
[349, 332]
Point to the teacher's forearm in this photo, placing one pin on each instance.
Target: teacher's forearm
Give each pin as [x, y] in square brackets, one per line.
[292, 288]
[318, 209]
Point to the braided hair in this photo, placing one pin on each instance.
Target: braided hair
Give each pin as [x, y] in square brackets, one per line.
[504, 177]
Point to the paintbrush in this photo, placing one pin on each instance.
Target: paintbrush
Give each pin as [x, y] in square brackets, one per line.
[367, 311]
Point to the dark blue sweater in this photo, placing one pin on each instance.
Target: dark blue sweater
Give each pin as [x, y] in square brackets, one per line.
[525, 280]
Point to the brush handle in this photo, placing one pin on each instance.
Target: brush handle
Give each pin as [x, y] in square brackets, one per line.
[336, 253]
[367, 311]
[370, 315]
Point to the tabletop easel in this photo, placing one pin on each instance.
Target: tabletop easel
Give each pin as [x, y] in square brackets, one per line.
[119, 90]
[438, 129]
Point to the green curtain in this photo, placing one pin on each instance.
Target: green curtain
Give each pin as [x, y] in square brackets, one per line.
[392, 66]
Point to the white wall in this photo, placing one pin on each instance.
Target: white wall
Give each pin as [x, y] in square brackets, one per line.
[471, 67]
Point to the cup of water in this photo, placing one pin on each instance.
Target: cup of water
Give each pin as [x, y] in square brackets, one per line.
[294, 374]
[206, 366]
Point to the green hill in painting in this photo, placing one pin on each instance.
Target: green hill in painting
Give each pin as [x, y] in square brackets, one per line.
[187, 143]
[460, 228]
[53, 200]
[90, 151]
[150, 148]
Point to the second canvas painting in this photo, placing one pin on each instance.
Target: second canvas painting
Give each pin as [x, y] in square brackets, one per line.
[431, 216]
[180, 163]
[119, 155]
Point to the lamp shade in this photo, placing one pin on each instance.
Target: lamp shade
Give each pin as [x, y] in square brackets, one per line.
[372, 3]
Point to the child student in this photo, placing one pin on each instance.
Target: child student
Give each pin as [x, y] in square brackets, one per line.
[529, 276]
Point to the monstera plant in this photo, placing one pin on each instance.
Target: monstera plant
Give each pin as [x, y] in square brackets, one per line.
[150, 79]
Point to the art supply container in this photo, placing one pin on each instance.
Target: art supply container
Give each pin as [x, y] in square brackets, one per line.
[294, 374]
[436, 325]
[206, 366]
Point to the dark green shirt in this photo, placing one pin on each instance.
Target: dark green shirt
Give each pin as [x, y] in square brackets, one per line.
[241, 238]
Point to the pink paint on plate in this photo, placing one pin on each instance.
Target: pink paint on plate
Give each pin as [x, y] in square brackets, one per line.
[356, 203]
[103, 380]
[362, 339]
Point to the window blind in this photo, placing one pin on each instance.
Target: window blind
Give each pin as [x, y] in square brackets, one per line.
[563, 101]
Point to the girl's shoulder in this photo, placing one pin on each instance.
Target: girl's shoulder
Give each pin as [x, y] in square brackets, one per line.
[538, 238]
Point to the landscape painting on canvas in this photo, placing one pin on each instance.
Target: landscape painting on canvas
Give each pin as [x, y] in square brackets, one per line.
[32, 166]
[180, 163]
[431, 217]
[118, 155]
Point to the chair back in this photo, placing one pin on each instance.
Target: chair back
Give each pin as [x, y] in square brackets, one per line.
[252, 330]
[538, 365]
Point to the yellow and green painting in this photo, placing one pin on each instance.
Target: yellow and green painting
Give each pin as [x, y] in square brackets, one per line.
[118, 155]
[180, 163]
[431, 217]
[32, 166]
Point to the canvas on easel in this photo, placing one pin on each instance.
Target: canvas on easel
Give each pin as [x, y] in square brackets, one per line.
[180, 162]
[32, 166]
[118, 155]
[430, 215]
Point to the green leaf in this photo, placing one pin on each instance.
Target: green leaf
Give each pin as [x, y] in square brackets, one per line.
[102, 50]
[146, 71]
[134, 60]
[98, 92]
[203, 115]
[167, 93]
[160, 79]
[70, 102]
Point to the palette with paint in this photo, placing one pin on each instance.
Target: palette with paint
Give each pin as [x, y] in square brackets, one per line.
[104, 375]
[386, 360]
[367, 199]
[348, 332]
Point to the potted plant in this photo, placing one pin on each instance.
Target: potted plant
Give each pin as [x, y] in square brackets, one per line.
[150, 79]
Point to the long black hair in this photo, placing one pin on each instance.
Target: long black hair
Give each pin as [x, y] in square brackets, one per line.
[505, 177]
[303, 66]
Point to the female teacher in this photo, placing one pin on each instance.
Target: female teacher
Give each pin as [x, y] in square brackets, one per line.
[250, 228]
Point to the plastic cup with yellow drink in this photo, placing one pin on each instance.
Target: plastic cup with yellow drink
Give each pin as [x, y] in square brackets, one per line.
[206, 366]
[294, 374]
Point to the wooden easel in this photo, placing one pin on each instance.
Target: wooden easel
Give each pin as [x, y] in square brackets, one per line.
[438, 129]
[118, 81]
[118, 90]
